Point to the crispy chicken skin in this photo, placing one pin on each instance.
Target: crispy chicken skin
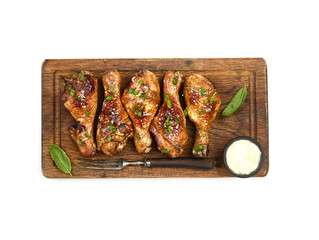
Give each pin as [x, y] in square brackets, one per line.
[141, 100]
[80, 98]
[169, 126]
[202, 109]
[114, 127]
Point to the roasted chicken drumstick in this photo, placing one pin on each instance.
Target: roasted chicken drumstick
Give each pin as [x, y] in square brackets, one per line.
[114, 127]
[169, 126]
[141, 100]
[203, 102]
[80, 98]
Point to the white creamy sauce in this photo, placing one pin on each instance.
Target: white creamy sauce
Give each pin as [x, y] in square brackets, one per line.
[243, 157]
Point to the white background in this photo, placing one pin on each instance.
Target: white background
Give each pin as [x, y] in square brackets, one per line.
[283, 205]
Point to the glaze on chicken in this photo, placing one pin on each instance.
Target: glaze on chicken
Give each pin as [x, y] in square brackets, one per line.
[203, 102]
[114, 127]
[80, 98]
[141, 100]
[169, 126]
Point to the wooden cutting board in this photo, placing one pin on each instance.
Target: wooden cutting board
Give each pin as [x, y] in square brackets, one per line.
[228, 75]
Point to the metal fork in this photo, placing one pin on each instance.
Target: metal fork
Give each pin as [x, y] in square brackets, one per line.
[118, 164]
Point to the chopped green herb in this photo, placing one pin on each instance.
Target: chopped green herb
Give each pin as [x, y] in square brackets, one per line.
[202, 91]
[167, 122]
[167, 131]
[204, 135]
[140, 82]
[167, 96]
[206, 101]
[87, 136]
[185, 112]
[87, 113]
[109, 139]
[133, 91]
[76, 98]
[112, 89]
[81, 76]
[211, 100]
[169, 103]
[138, 110]
[138, 136]
[143, 96]
[165, 150]
[198, 148]
[80, 142]
[202, 112]
[109, 97]
[175, 81]
[112, 128]
[177, 120]
[72, 92]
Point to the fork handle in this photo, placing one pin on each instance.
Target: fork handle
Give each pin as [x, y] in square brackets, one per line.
[206, 164]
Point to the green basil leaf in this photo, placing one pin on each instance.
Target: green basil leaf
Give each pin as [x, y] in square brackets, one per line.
[61, 159]
[109, 97]
[198, 148]
[165, 150]
[236, 102]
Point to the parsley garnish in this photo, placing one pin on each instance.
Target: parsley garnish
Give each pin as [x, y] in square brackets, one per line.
[140, 82]
[87, 113]
[202, 91]
[169, 102]
[165, 150]
[112, 128]
[177, 120]
[175, 81]
[211, 100]
[112, 89]
[109, 97]
[198, 148]
[109, 139]
[80, 142]
[138, 136]
[72, 92]
[81, 76]
[143, 96]
[185, 112]
[138, 110]
[133, 91]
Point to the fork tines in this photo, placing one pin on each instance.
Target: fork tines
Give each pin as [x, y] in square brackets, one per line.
[114, 164]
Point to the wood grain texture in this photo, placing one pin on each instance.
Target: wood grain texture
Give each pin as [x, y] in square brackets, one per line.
[228, 75]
